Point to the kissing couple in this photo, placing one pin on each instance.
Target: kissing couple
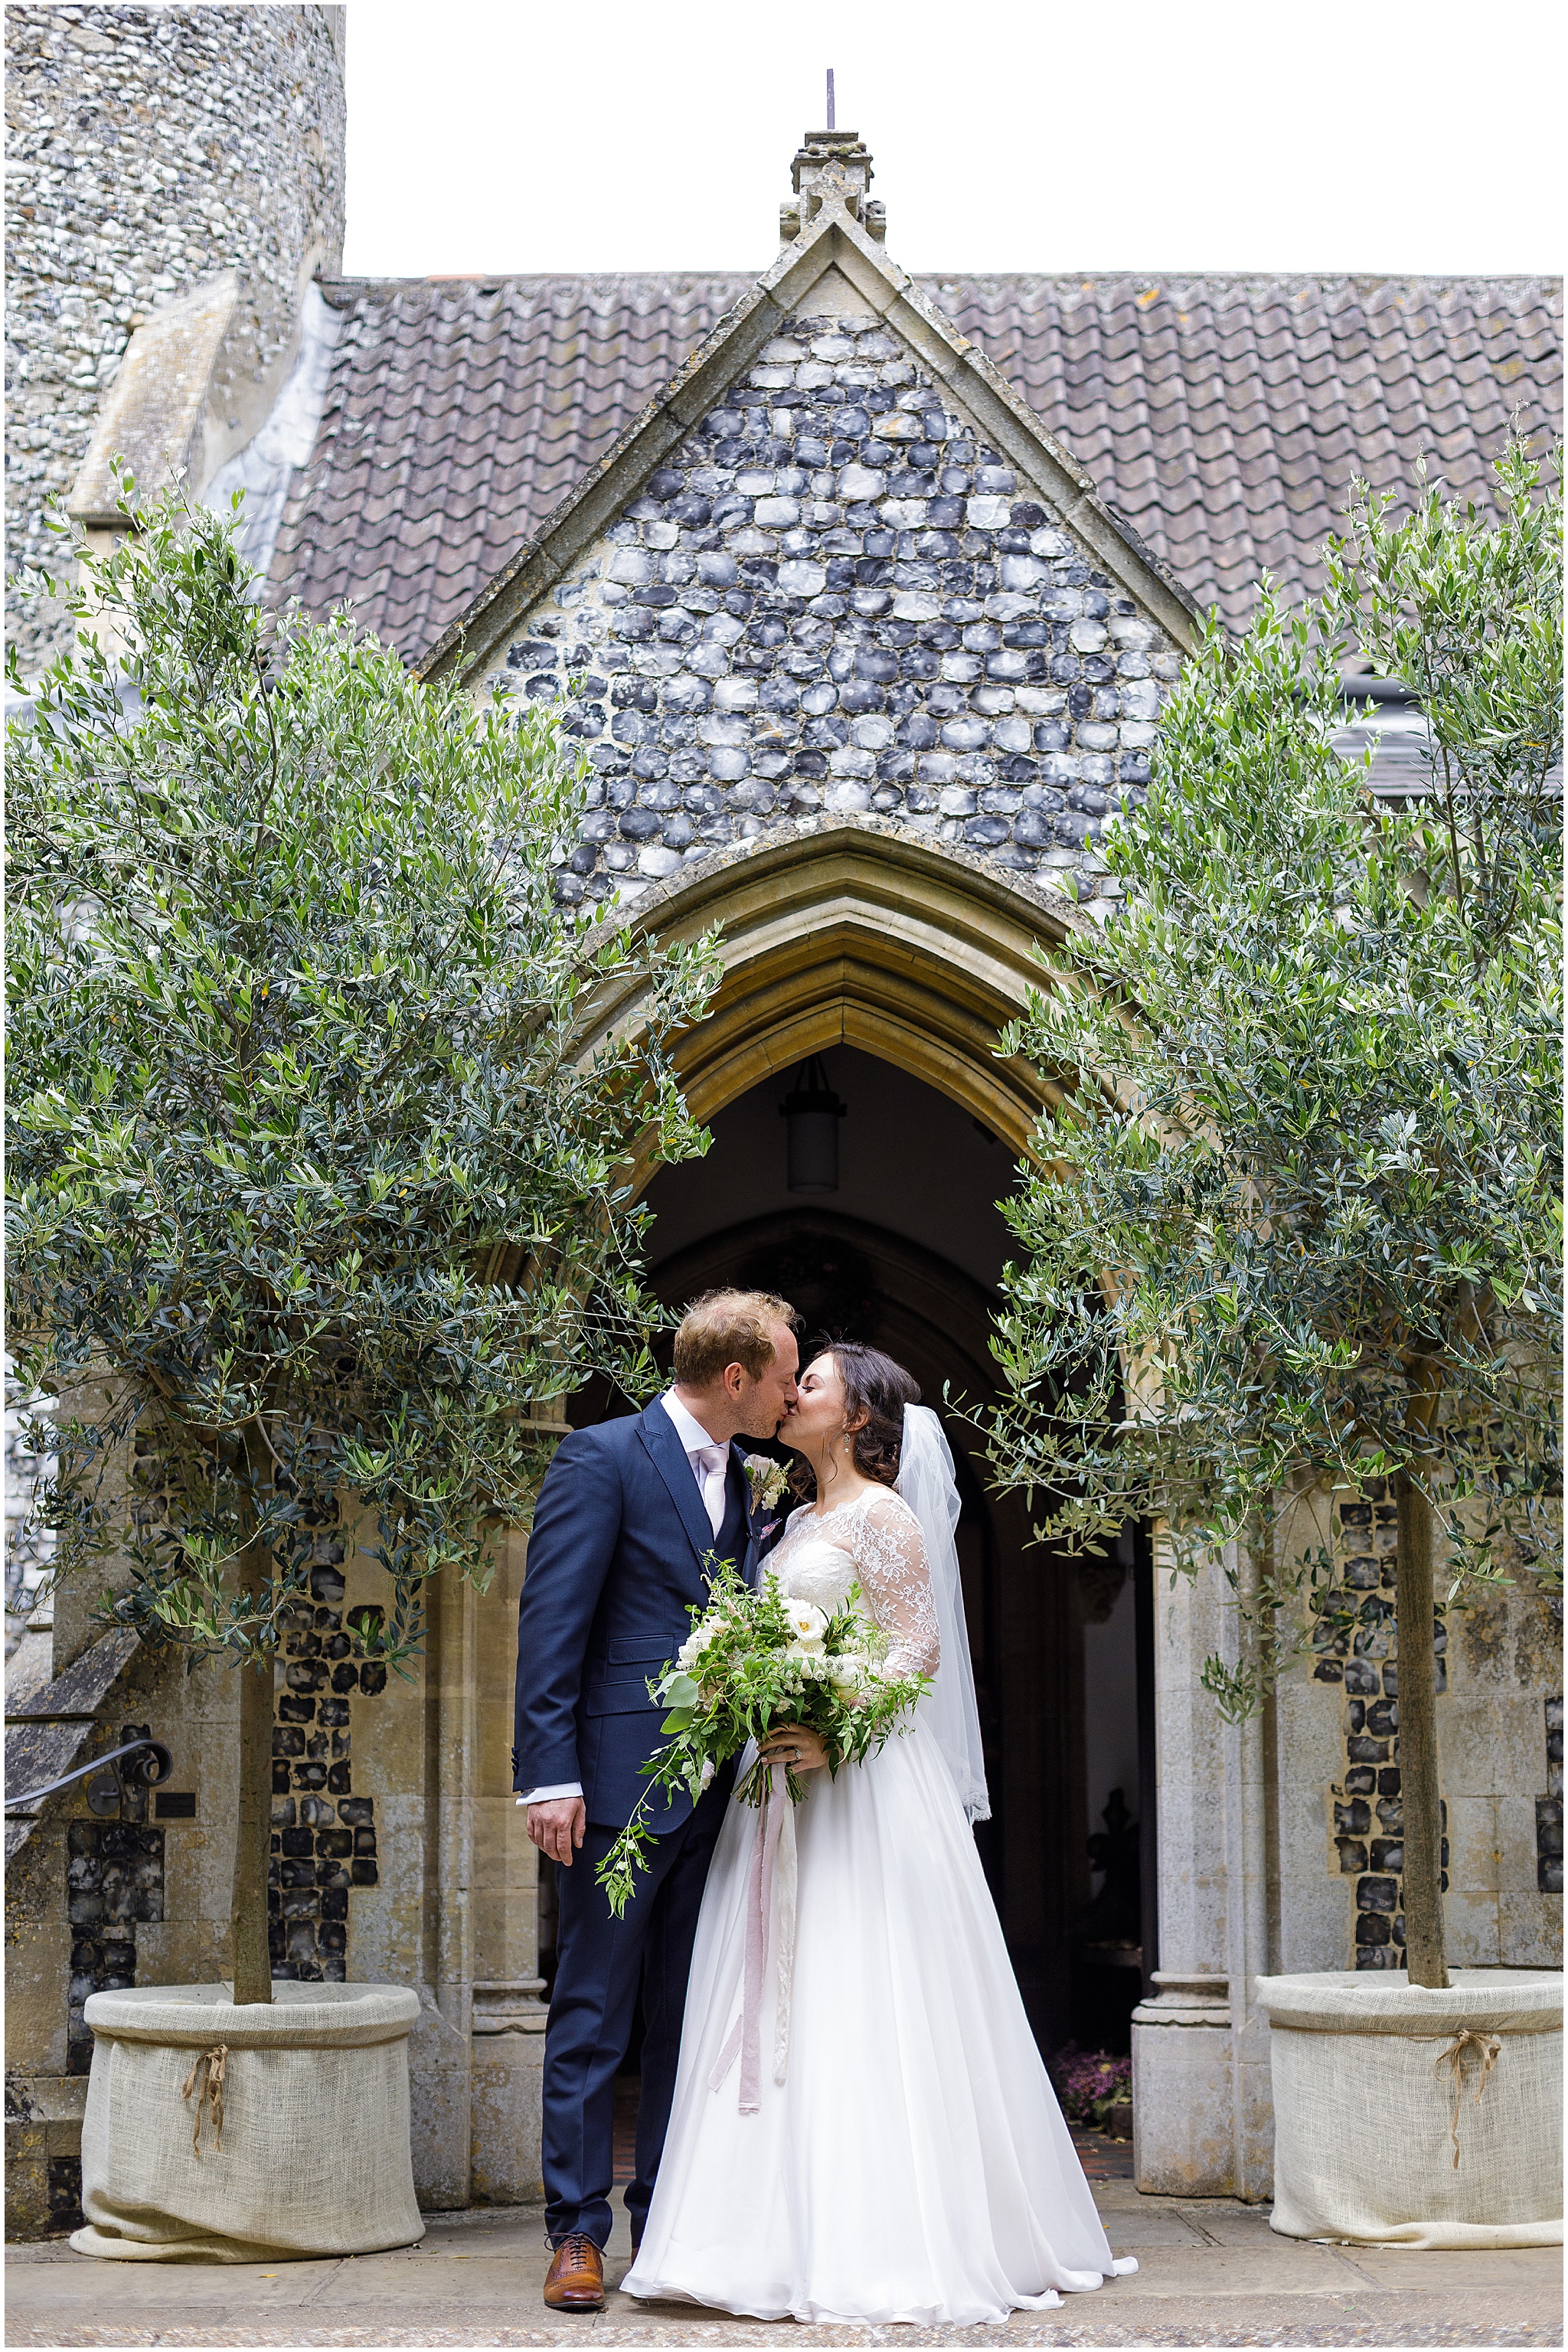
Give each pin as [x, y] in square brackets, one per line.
[903, 2157]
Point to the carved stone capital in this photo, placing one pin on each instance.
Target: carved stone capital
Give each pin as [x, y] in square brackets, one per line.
[513, 2006]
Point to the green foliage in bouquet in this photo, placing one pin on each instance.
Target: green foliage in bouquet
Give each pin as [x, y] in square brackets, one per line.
[756, 1658]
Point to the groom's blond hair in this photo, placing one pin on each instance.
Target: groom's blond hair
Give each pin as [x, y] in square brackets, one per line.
[729, 1327]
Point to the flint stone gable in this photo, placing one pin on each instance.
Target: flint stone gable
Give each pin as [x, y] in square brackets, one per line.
[831, 596]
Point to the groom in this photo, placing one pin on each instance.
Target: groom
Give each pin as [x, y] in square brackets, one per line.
[627, 1516]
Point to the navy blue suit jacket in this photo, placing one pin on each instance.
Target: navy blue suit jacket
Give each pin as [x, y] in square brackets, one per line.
[614, 1565]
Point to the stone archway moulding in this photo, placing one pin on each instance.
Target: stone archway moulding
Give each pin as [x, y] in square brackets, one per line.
[851, 931]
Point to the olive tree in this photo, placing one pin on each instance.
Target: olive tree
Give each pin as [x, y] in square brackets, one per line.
[1298, 1223]
[295, 1077]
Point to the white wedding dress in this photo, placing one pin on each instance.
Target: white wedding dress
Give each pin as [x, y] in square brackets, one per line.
[913, 2164]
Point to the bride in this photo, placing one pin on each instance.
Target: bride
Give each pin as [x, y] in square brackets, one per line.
[905, 2158]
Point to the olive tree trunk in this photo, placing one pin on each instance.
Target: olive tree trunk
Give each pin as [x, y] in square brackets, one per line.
[1418, 1786]
[250, 1958]
[252, 1838]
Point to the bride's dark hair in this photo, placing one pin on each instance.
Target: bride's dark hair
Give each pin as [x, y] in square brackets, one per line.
[880, 1389]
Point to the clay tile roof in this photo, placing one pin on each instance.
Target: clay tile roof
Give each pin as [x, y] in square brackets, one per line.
[1222, 418]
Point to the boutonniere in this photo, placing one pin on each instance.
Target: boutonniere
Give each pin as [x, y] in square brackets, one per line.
[767, 1480]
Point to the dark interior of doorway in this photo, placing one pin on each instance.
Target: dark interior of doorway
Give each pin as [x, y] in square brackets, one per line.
[906, 1252]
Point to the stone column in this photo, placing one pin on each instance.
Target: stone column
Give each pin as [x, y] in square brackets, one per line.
[1202, 2115]
[439, 2052]
[508, 2011]
[1249, 1753]
[1316, 1921]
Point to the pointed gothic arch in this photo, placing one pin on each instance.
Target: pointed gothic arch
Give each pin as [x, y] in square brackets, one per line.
[853, 930]
[856, 930]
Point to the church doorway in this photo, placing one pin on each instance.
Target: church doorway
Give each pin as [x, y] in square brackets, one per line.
[894, 1237]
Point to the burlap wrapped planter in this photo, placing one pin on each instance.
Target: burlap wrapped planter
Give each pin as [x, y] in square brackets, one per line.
[1376, 2079]
[314, 2154]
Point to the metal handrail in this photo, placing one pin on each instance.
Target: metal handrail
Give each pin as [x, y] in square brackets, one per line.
[157, 1753]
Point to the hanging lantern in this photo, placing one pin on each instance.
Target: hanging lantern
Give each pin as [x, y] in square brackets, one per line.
[814, 1111]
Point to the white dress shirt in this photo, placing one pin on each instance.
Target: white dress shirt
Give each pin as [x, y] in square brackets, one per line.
[710, 1460]
[709, 1463]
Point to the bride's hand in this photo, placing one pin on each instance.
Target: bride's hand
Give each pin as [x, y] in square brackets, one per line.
[792, 1744]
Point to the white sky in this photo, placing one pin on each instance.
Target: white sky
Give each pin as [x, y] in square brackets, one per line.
[511, 135]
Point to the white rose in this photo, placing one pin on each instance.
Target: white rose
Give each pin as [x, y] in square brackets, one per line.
[808, 1622]
[843, 1673]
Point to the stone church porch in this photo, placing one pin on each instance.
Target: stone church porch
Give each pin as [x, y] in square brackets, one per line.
[861, 594]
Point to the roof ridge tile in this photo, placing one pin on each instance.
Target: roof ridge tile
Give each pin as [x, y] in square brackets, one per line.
[1223, 412]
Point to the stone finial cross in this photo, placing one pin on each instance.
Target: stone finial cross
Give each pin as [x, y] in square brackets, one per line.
[832, 164]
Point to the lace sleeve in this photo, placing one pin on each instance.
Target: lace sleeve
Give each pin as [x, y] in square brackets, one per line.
[891, 1558]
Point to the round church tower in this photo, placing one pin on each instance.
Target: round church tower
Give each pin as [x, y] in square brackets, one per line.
[149, 150]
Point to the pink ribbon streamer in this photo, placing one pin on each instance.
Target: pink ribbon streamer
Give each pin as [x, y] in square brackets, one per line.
[746, 2033]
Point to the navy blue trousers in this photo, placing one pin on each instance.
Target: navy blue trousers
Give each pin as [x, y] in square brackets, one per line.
[600, 1961]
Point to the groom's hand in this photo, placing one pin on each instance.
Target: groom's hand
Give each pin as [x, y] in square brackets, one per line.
[557, 1827]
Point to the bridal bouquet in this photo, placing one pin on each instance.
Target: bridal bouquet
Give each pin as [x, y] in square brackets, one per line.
[755, 1658]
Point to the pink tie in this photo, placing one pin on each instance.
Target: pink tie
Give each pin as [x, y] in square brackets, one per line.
[711, 1466]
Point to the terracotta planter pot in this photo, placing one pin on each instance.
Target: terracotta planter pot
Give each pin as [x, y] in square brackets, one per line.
[1405, 2116]
[302, 2108]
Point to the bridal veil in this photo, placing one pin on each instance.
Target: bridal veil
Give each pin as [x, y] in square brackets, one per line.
[926, 1482]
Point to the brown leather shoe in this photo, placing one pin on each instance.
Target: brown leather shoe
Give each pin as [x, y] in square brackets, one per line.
[576, 2276]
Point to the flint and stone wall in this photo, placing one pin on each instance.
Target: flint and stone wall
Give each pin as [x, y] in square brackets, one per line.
[147, 150]
[399, 1856]
[1499, 1726]
[834, 597]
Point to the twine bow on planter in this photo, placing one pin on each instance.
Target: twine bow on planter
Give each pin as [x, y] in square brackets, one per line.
[1491, 2049]
[1413, 2051]
[210, 2066]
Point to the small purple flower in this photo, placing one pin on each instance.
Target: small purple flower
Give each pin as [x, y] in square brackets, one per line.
[1088, 2080]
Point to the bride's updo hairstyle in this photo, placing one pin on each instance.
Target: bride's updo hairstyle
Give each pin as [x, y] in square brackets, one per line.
[874, 1385]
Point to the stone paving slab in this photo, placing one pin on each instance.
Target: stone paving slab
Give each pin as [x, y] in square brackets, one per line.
[1211, 2273]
